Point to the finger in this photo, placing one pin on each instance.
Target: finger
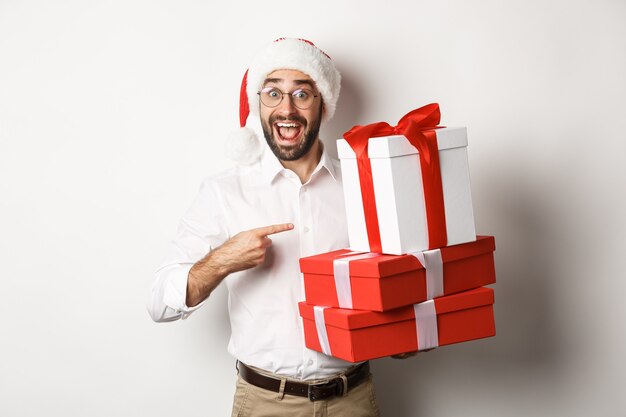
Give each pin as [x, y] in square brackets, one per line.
[266, 242]
[275, 228]
[399, 356]
[405, 355]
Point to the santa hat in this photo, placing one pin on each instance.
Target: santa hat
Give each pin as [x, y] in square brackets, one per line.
[244, 146]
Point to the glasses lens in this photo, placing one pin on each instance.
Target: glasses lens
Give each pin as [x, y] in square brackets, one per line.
[302, 98]
[271, 97]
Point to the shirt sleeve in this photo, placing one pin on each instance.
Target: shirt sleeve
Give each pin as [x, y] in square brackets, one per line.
[202, 228]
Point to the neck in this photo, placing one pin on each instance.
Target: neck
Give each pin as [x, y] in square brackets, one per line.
[305, 166]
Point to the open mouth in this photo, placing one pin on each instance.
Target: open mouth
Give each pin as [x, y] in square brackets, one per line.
[287, 131]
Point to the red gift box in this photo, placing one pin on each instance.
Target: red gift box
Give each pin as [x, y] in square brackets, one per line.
[356, 335]
[384, 282]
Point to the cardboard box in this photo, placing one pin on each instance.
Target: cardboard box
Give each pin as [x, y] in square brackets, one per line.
[385, 282]
[398, 190]
[356, 335]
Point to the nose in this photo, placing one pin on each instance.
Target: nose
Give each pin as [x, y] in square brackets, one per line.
[286, 106]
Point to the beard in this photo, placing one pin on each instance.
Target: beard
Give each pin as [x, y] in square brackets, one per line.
[297, 151]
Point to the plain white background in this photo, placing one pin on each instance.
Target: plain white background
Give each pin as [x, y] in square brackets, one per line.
[112, 112]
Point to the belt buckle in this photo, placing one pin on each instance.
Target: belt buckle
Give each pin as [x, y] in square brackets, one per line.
[338, 386]
[337, 382]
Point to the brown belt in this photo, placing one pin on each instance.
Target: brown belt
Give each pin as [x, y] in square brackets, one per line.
[313, 392]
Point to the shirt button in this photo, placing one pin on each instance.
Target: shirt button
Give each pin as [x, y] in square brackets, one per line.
[310, 362]
[306, 229]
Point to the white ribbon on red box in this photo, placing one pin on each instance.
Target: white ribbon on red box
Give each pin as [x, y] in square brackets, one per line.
[341, 271]
[320, 326]
[433, 264]
[426, 325]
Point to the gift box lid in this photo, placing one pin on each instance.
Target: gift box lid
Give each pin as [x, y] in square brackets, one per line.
[387, 265]
[355, 319]
[390, 146]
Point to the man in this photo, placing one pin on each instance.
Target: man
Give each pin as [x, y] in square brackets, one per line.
[249, 226]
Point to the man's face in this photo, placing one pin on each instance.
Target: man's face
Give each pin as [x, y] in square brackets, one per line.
[289, 131]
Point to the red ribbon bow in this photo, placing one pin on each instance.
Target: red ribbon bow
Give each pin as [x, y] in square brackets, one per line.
[417, 126]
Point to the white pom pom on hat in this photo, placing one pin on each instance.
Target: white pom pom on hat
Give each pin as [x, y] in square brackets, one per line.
[244, 146]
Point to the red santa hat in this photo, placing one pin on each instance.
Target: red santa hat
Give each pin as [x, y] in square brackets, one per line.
[244, 146]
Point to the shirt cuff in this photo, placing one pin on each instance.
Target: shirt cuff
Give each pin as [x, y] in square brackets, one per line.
[175, 295]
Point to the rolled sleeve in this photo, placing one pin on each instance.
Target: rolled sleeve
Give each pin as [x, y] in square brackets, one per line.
[202, 228]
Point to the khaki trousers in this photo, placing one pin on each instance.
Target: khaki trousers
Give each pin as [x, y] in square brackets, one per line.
[252, 401]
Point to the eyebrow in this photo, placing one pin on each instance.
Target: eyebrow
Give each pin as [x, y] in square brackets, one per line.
[297, 82]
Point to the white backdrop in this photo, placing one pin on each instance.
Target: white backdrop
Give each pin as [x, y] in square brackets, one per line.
[111, 114]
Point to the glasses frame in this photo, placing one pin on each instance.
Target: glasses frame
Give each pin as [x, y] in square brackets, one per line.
[290, 94]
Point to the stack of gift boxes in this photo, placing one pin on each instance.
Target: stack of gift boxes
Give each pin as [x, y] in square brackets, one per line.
[414, 275]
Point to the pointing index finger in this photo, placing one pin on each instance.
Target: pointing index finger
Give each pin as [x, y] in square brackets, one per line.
[275, 228]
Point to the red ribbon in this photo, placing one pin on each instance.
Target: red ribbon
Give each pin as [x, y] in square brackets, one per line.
[417, 126]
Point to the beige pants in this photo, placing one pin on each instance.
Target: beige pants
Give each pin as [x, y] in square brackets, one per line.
[252, 401]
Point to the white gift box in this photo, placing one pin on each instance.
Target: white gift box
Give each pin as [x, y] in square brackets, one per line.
[399, 192]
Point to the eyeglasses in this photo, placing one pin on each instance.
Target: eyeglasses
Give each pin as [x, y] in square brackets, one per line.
[302, 98]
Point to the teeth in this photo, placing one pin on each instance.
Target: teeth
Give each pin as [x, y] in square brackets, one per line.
[286, 125]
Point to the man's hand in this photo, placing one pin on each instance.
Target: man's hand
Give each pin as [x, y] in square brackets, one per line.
[409, 354]
[243, 251]
[247, 249]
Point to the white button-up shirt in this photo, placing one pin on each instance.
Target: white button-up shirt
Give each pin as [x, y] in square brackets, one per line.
[263, 301]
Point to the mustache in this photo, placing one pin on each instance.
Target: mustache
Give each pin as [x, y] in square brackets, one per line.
[294, 118]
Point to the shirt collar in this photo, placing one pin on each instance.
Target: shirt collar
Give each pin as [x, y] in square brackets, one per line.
[327, 162]
[271, 166]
